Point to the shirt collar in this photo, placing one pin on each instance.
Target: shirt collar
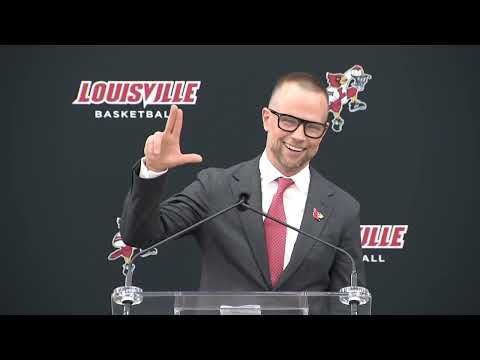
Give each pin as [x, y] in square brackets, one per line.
[269, 173]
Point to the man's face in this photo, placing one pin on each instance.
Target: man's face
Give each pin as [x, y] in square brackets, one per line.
[290, 152]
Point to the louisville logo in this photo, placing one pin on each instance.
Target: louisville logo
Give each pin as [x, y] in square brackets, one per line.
[344, 88]
[137, 92]
[125, 251]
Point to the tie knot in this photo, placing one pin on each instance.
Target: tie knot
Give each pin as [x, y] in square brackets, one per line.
[283, 183]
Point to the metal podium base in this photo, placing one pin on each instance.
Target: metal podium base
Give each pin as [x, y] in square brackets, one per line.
[357, 294]
[131, 295]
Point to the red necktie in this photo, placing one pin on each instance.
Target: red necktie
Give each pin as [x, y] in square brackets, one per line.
[275, 233]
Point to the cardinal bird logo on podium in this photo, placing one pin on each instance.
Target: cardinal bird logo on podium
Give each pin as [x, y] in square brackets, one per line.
[123, 250]
[344, 88]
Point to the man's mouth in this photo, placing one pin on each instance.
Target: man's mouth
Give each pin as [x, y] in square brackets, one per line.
[293, 148]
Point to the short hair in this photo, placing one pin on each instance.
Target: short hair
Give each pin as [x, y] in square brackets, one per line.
[302, 79]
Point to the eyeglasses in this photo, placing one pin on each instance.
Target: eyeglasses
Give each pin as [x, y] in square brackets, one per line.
[291, 123]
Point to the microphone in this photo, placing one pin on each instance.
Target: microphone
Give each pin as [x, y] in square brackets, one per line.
[353, 295]
[131, 295]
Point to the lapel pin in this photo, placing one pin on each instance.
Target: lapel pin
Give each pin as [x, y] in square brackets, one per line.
[317, 215]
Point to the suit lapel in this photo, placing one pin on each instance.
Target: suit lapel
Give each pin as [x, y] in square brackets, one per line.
[318, 197]
[247, 180]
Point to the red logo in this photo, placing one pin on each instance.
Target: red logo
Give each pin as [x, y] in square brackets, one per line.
[123, 250]
[344, 88]
[317, 215]
[383, 236]
[136, 92]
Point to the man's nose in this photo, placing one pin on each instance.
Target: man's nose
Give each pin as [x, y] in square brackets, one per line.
[299, 134]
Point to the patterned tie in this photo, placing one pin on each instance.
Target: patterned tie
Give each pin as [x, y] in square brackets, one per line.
[275, 233]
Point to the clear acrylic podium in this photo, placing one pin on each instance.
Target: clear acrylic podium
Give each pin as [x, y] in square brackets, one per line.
[239, 303]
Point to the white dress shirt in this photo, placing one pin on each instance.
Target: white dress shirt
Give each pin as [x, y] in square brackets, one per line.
[294, 197]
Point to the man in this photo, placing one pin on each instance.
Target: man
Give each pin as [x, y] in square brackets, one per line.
[241, 251]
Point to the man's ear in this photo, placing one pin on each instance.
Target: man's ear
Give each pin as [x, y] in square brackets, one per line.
[266, 117]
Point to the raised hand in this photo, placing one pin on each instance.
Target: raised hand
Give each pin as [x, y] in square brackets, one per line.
[162, 149]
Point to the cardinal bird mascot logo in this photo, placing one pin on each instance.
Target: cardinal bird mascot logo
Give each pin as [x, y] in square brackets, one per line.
[125, 251]
[344, 88]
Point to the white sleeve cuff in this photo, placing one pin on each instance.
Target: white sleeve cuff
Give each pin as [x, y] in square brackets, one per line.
[148, 174]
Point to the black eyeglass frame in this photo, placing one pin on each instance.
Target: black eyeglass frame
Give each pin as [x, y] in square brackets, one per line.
[300, 122]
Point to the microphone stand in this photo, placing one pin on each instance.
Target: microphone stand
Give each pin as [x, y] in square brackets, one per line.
[129, 295]
[352, 295]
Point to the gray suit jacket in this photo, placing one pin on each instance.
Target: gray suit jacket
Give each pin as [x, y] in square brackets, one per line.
[233, 244]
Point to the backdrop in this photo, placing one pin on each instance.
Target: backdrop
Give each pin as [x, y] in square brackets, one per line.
[407, 151]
